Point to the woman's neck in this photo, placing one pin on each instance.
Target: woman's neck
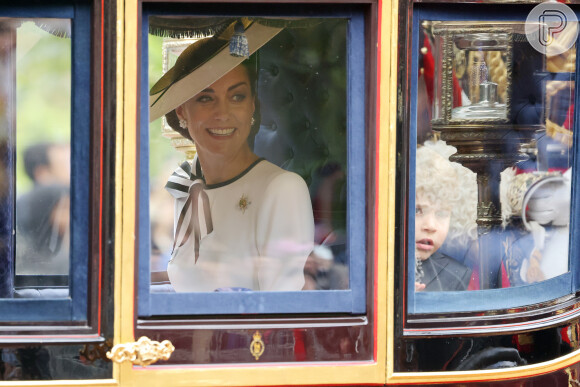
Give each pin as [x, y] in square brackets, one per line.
[217, 169]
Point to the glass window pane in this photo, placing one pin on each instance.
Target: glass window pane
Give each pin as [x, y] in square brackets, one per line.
[494, 150]
[40, 73]
[267, 233]
[52, 362]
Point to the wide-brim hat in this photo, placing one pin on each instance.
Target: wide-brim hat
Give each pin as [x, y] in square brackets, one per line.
[200, 65]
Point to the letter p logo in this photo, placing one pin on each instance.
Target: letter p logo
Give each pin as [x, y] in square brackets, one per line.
[552, 22]
[551, 28]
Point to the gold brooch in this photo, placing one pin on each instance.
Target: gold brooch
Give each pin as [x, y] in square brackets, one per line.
[243, 203]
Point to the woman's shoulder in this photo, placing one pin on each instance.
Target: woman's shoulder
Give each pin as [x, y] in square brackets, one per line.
[283, 193]
[277, 177]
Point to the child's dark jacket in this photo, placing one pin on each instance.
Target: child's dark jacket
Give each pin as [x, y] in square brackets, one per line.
[443, 273]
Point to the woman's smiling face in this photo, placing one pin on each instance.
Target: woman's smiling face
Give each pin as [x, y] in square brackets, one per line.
[219, 117]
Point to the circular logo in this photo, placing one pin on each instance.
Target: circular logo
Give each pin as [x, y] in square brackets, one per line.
[551, 28]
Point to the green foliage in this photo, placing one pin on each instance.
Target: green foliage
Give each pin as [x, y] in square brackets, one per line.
[43, 92]
[161, 152]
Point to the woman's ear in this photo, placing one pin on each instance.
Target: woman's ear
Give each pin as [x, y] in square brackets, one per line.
[179, 112]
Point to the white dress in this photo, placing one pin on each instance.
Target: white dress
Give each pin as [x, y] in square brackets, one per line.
[263, 231]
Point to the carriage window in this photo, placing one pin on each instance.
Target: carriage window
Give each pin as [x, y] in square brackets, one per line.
[251, 198]
[44, 117]
[43, 72]
[491, 167]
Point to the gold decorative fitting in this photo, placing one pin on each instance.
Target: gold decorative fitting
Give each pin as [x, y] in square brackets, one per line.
[144, 352]
[257, 346]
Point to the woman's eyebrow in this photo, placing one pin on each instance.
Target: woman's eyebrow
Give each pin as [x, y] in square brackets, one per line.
[236, 85]
[210, 90]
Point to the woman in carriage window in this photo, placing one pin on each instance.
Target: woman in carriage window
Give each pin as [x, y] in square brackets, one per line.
[241, 223]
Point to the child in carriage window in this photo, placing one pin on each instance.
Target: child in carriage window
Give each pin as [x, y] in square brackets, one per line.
[445, 211]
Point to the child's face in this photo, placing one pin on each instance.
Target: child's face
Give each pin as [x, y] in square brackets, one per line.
[431, 227]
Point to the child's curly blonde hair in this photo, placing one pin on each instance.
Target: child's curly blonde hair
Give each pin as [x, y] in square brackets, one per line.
[448, 185]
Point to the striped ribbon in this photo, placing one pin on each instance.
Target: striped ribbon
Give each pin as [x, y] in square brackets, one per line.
[188, 183]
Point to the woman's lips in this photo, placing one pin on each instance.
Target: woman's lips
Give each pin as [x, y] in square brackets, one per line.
[221, 131]
[424, 244]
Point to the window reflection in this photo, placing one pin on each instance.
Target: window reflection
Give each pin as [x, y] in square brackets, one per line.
[38, 68]
[490, 104]
[301, 102]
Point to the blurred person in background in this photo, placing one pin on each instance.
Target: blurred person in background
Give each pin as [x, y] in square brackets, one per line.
[43, 213]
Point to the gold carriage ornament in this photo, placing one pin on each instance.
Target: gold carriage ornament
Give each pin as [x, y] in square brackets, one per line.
[143, 352]
[257, 345]
[477, 60]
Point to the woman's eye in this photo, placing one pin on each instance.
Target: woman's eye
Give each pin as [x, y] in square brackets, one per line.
[418, 211]
[204, 98]
[238, 97]
[443, 214]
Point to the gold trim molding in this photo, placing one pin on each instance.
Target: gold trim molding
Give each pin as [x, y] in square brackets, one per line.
[143, 352]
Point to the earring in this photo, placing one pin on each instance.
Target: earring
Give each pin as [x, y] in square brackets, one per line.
[252, 121]
[182, 123]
